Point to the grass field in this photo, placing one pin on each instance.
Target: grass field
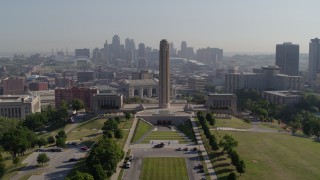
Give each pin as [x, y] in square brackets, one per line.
[232, 123]
[272, 156]
[169, 168]
[164, 135]
[140, 130]
[186, 128]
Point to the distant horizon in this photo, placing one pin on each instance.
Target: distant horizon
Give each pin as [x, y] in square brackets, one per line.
[71, 53]
[234, 26]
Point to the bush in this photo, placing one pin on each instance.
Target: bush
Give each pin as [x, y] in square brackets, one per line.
[232, 176]
[15, 160]
[234, 156]
[50, 140]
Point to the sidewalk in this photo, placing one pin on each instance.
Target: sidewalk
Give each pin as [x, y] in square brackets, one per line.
[125, 148]
[204, 153]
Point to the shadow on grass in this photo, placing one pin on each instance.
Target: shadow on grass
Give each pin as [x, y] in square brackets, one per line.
[221, 165]
[221, 171]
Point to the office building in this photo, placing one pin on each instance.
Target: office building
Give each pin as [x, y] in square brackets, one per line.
[283, 97]
[38, 86]
[14, 85]
[69, 94]
[164, 75]
[314, 59]
[197, 82]
[266, 78]
[19, 106]
[82, 53]
[287, 58]
[222, 102]
[85, 76]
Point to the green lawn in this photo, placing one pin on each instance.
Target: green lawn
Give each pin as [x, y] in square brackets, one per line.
[91, 124]
[169, 168]
[12, 169]
[232, 123]
[274, 126]
[186, 128]
[163, 135]
[140, 130]
[272, 156]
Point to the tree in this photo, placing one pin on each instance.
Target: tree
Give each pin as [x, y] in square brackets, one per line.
[35, 121]
[118, 133]
[228, 143]
[241, 167]
[82, 176]
[8, 123]
[213, 142]
[106, 153]
[108, 133]
[232, 176]
[110, 125]
[42, 158]
[117, 120]
[77, 104]
[50, 140]
[210, 119]
[17, 140]
[2, 169]
[99, 173]
[234, 156]
[127, 115]
[62, 134]
[42, 142]
[61, 142]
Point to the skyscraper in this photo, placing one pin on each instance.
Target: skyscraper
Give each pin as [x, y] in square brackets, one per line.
[164, 75]
[287, 58]
[314, 59]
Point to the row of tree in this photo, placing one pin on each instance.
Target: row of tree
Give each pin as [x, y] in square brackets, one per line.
[228, 143]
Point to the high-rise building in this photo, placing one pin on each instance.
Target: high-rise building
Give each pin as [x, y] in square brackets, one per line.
[82, 53]
[164, 75]
[287, 58]
[314, 59]
[142, 51]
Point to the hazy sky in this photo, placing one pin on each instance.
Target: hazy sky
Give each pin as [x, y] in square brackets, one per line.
[234, 25]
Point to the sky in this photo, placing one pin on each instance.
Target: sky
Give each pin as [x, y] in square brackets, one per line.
[244, 26]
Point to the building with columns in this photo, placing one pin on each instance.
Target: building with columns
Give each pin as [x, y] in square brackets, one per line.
[164, 75]
[19, 106]
[141, 88]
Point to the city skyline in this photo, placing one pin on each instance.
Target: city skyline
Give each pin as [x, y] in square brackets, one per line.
[247, 26]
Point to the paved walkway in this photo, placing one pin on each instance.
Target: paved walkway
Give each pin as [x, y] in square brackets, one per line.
[125, 148]
[204, 153]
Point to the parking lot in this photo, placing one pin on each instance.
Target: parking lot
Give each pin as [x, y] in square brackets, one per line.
[58, 166]
[192, 160]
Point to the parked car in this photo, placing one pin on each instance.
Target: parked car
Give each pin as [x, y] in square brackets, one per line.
[130, 158]
[200, 166]
[185, 149]
[161, 145]
[179, 149]
[84, 148]
[127, 164]
[73, 159]
[74, 143]
[194, 149]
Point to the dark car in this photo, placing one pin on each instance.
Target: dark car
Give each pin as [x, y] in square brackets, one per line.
[185, 149]
[179, 149]
[161, 145]
[84, 148]
[200, 166]
[73, 159]
[194, 149]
